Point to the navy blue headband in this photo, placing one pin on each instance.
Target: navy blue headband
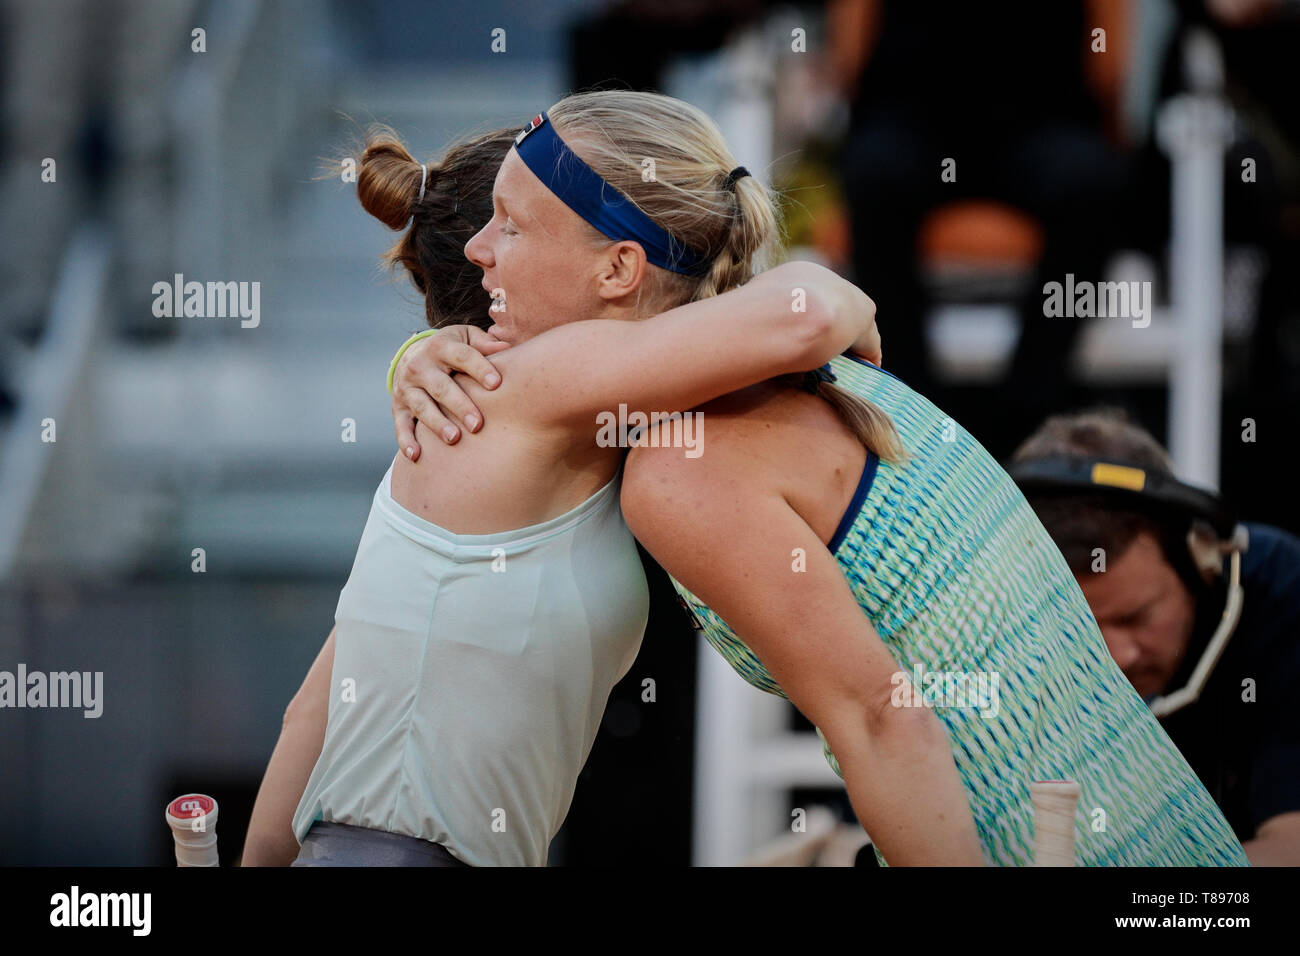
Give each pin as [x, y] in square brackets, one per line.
[582, 189]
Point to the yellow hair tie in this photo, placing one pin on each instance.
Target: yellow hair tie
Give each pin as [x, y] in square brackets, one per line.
[392, 366]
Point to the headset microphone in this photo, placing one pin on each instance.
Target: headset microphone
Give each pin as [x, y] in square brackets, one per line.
[1213, 533]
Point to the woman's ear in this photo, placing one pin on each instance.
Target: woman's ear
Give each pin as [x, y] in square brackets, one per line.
[623, 269]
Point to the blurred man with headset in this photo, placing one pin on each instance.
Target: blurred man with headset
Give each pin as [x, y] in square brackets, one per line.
[1201, 613]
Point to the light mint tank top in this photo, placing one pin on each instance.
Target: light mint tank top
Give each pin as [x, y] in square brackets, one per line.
[470, 676]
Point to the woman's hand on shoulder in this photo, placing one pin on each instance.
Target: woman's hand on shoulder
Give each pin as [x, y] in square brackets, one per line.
[424, 388]
[868, 347]
[845, 306]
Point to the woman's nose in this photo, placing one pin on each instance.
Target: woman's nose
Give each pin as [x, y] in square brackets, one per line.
[477, 250]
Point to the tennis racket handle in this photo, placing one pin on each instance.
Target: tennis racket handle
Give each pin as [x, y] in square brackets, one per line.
[1054, 805]
[193, 821]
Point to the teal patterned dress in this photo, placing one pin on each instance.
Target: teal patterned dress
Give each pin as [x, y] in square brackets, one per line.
[972, 598]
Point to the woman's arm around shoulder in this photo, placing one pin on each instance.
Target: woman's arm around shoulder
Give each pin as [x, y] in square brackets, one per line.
[792, 318]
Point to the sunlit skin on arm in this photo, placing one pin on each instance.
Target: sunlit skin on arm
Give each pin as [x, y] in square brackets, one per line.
[728, 537]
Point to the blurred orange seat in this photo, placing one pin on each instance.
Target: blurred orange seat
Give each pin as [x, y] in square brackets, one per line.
[977, 232]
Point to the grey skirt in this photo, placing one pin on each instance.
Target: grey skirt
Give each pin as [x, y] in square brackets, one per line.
[341, 844]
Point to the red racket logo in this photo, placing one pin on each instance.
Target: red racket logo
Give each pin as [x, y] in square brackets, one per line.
[191, 805]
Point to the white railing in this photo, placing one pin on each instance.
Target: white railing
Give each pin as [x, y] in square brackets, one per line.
[1194, 129]
[198, 113]
[47, 384]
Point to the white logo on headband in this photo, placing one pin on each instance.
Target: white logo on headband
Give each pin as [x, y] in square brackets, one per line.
[537, 121]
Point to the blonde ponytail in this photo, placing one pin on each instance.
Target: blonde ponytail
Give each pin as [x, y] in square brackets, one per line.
[868, 421]
[671, 161]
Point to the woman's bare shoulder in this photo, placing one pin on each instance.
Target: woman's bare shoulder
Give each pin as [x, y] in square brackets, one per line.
[764, 428]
